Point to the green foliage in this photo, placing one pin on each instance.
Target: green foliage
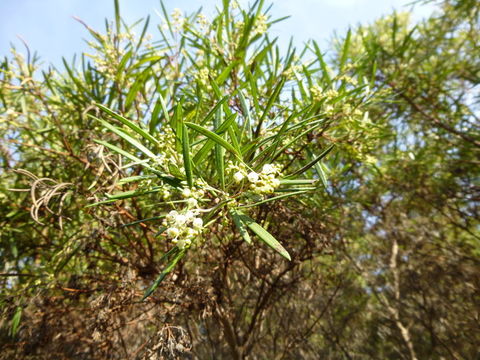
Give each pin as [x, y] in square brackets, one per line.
[155, 182]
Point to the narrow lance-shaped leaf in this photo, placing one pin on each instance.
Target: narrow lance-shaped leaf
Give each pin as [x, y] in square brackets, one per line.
[16, 321]
[320, 168]
[314, 161]
[141, 221]
[240, 225]
[214, 110]
[135, 88]
[164, 177]
[211, 135]
[264, 235]
[346, 46]
[271, 101]
[130, 124]
[125, 195]
[122, 152]
[186, 156]
[125, 136]
[203, 152]
[164, 108]
[298, 182]
[134, 178]
[275, 198]
[219, 151]
[117, 16]
[165, 271]
[246, 128]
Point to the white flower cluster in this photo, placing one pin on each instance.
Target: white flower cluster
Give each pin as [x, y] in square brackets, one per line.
[177, 20]
[183, 228]
[317, 92]
[261, 25]
[264, 182]
[165, 156]
[202, 20]
[203, 76]
[292, 72]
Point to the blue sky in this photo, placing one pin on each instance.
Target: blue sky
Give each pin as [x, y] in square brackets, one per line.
[48, 27]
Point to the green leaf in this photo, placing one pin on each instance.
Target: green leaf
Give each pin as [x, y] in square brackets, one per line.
[151, 59]
[346, 46]
[219, 150]
[240, 225]
[279, 136]
[214, 110]
[125, 195]
[117, 16]
[214, 137]
[164, 108]
[287, 145]
[186, 156]
[203, 152]
[321, 171]
[16, 321]
[246, 128]
[271, 101]
[314, 161]
[178, 255]
[264, 235]
[123, 152]
[142, 221]
[125, 136]
[274, 198]
[298, 182]
[224, 75]
[130, 124]
[140, 81]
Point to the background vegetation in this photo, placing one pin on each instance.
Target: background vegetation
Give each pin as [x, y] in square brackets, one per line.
[360, 166]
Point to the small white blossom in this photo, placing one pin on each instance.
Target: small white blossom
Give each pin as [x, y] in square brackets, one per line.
[171, 216]
[238, 176]
[180, 219]
[266, 181]
[269, 169]
[191, 233]
[197, 223]
[173, 232]
[275, 183]
[192, 202]
[190, 215]
[253, 177]
[186, 193]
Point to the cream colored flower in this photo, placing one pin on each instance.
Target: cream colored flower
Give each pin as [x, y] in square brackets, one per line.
[253, 177]
[173, 232]
[238, 176]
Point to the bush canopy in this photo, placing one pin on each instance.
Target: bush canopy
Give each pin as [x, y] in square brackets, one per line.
[208, 194]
